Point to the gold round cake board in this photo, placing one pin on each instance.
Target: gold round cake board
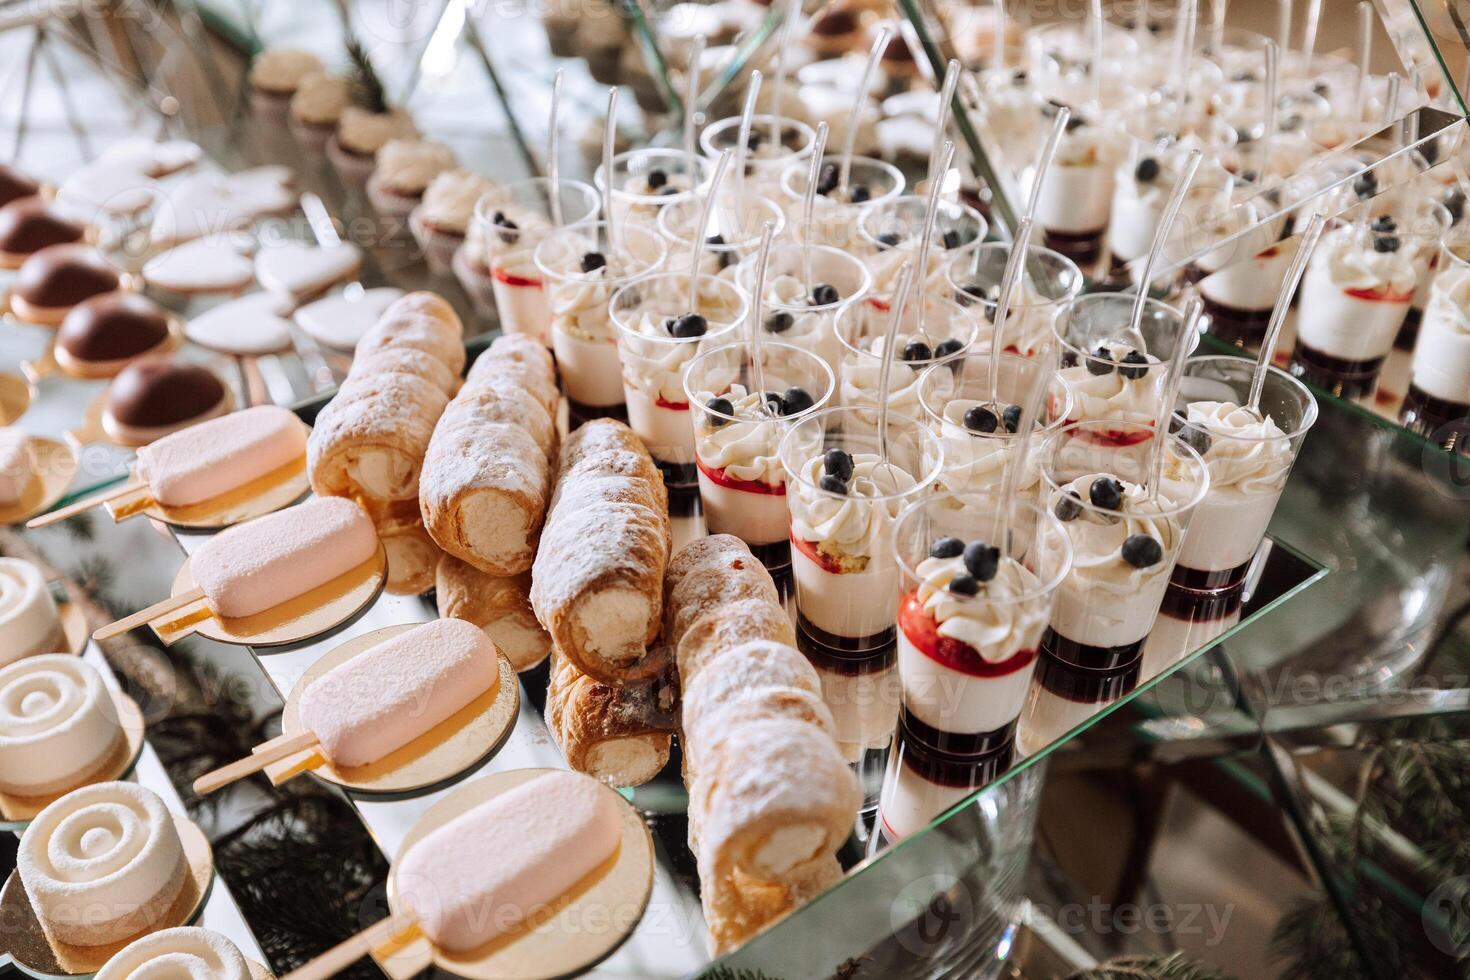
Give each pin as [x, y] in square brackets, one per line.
[18, 811]
[55, 466]
[461, 742]
[259, 971]
[94, 428]
[74, 626]
[47, 365]
[324, 609]
[15, 397]
[33, 952]
[559, 942]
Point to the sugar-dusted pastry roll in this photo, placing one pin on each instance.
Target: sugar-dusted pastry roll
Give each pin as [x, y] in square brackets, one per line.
[711, 573]
[413, 558]
[486, 479]
[406, 360]
[729, 626]
[501, 606]
[736, 906]
[617, 734]
[597, 582]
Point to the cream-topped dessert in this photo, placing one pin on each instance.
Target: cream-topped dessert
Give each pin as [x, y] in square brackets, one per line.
[1116, 381]
[1030, 317]
[185, 953]
[1439, 387]
[861, 370]
[28, 618]
[58, 724]
[801, 315]
[1123, 546]
[1075, 202]
[891, 236]
[977, 444]
[1355, 295]
[1249, 458]
[842, 513]
[646, 181]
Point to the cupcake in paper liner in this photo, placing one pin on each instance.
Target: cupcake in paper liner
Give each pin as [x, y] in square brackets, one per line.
[404, 170]
[275, 75]
[316, 106]
[441, 221]
[360, 134]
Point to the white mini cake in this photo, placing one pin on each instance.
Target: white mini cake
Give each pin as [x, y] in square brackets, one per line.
[184, 953]
[101, 864]
[57, 724]
[28, 619]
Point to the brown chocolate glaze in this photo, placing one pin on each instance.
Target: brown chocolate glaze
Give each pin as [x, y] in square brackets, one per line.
[835, 23]
[112, 326]
[15, 185]
[898, 52]
[61, 276]
[30, 224]
[163, 390]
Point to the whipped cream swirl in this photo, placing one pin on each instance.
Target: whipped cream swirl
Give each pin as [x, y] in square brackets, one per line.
[656, 365]
[996, 623]
[1113, 396]
[1353, 263]
[579, 307]
[1247, 454]
[1097, 538]
[1029, 320]
[853, 525]
[1449, 304]
[745, 450]
[978, 460]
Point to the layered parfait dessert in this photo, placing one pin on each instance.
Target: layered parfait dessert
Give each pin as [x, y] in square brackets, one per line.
[1439, 386]
[1249, 453]
[891, 234]
[510, 221]
[1357, 290]
[930, 331]
[806, 288]
[1240, 280]
[971, 618]
[647, 180]
[919, 783]
[738, 426]
[835, 211]
[582, 270]
[844, 496]
[660, 333]
[736, 225]
[1450, 211]
[1048, 282]
[775, 143]
[1074, 204]
[1144, 182]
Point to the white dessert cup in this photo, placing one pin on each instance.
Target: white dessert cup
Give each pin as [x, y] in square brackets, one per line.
[1050, 282]
[835, 220]
[738, 221]
[633, 200]
[790, 316]
[764, 162]
[958, 229]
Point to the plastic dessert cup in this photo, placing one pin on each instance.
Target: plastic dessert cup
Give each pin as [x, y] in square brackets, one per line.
[742, 485]
[1240, 281]
[844, 497]
[801, 312]
[650, 179]
[1113, 371]
[1439, 385]
[1074, 205]
[1124, 546]
[1249, 457]
[934, 331]
[580, 280]
[919, 783]
[737, 223]
[765, 159]
[658, 336]
[1049, 283]
[971, 614]
[835, 217]
[979, 443]
[891, 233]
[513, 219]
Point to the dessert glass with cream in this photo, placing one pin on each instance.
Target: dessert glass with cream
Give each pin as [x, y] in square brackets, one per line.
[891, 233]
[932, 330]
[979, 435]
[1074, 204]
[766, 157]
[845, 494]
[1439, 385]
[737, 437]
[835, 213]
[647, 180]
[1249, 456]
[800, 309]
[510, 221]
[1240, 280]
[582, 270]
[1143, 184]
[736, 225]
[1354, 298]
[1125, 541]
[1114, 371]
[919, 784]
[971, 614]
[659, 334]
[1048, 283]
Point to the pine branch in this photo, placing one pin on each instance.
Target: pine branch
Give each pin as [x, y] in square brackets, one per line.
[1175, 966]
[367, 88]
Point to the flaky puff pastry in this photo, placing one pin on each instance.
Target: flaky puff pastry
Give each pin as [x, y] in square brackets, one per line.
[597, 582]
[736, 906]
[618, 734]
[708, 574]
[499, 606]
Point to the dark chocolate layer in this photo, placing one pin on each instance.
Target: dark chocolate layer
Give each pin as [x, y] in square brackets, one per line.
[61, 276]
[15, 185]
[112, 326]
[30, 224]
[162, 390]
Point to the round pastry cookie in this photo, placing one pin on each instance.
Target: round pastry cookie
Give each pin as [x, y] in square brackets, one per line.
[54, 280]
[29, 622]
[152, 158]
[58, 724]
[245, 327]
[15, 185]
[29, 224]
[339, 321]
[101, 864]
[203, 266]
[102, 335]
[300, 270]
[185, 953]
[160, 394]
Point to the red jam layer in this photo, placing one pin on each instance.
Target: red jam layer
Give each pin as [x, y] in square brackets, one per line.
[809, 548]
[1112, 437]
[663, 402]
[723, 479]
[1380, 295]
[922, 630]
[513, 280]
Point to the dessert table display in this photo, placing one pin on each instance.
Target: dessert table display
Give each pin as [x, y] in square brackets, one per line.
[875, 516]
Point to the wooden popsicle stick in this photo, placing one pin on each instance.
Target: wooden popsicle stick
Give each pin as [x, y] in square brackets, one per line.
[349, 951]
[261, 756]
[73, 509]
[145, 616]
